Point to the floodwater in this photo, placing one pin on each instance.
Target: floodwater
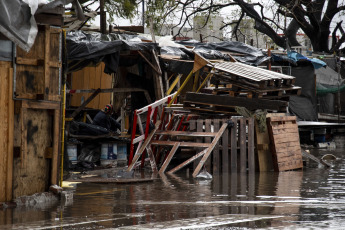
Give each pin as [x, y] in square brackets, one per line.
[312, 198]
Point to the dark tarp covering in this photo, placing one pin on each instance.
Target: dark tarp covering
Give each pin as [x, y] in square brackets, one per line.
[252, 55]
[177, 66]
[305, 105]
[17, 23]
[91, 48]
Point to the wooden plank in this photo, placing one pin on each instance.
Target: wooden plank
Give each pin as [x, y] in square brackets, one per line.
[285, 148]
[251, 156]
[182, 144]
[210, 149]
[225, 151]
[143, 147]
[284, 131]
[9, 176]
[242, 142]
[169, 157]
[192, 159]
[262, 146]
[216, 159]
[199, 128]
[208, 140]
[40, 105]
[75, 113]
[285, 118]
[148, 62]
[224, 101]
[27, 61]
[55, 158]
[187, 134]
[23, 137]
[234, 146]
[46, 62]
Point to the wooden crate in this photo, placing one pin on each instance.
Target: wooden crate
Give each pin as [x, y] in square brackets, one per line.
[285, 143]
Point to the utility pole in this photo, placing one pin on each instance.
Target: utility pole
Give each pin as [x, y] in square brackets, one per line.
[103, 17]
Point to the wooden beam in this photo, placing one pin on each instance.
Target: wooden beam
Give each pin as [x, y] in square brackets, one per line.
[243, 148]
[148, 62]
[24, 134]
[9, 177]
[251, 155]
[190, 160]
[56, 138]
[80, 108]
[28, 104]
[27, 61]
[187, 133]
[46, 62]
[143, 147]
[233, 143]
[182, 144]
[210, 149]
[169, 157]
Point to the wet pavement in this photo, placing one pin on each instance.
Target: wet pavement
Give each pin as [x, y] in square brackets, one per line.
[313, 198]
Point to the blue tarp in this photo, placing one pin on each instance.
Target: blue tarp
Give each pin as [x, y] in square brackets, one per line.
[317, 63]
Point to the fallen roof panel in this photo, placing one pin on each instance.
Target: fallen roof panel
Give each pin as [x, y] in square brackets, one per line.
[250, 72]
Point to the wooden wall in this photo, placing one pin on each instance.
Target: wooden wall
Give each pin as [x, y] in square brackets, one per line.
[37, 75]
[91, 78]
[6, 131]
[30, 121]
[31, 174]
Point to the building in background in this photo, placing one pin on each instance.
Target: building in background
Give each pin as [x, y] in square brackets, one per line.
[208, 31]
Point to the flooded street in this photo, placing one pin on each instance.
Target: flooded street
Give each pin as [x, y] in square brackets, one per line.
[310, 199]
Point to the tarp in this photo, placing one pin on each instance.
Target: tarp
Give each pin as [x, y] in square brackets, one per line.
[17, 22]
[305, 105]
[91, 48]
[213, 50]
[317, 63]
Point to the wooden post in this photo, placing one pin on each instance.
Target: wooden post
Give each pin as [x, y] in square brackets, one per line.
[225, 151]
[46, 62]
[251, 155]
[134, 129]
[148, 116]
[234, 146]
[216, 160]
[243, 149]
[10, 134]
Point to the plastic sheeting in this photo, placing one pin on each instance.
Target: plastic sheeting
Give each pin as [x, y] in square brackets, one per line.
[317, 63]
[86, 49]
[252, 55]
[305, 105]
[18, 23]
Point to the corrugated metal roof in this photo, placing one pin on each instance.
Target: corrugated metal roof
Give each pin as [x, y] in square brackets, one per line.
[250, 72]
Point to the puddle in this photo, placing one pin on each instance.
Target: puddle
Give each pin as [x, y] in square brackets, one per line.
[311, 199]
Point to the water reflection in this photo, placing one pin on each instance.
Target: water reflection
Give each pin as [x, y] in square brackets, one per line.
[309, 198]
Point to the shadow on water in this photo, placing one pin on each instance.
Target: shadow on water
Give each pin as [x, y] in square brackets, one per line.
[310, 198]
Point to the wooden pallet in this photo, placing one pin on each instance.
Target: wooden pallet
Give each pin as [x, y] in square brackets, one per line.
[285, 143]
[224, 104]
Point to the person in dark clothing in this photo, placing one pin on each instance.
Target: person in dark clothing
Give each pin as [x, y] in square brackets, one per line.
[103, 118]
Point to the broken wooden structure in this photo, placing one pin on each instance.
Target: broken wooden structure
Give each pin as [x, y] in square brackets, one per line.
[30, 112]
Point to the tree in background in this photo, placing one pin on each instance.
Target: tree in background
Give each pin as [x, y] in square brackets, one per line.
[278, 19]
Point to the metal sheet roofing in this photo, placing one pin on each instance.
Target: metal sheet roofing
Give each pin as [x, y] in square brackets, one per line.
[250, 72]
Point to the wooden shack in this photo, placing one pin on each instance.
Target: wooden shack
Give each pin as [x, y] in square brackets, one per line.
[30, 95]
